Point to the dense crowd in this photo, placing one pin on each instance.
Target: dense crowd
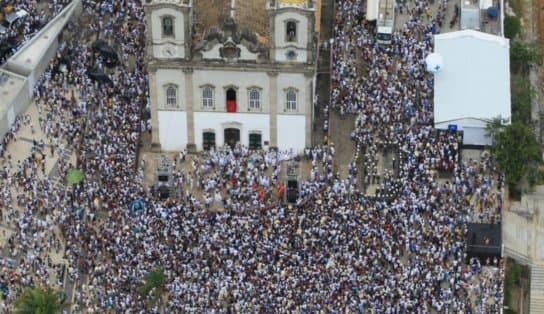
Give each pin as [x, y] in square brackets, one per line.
[228, 242]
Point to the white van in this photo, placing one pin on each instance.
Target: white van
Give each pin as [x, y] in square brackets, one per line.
[14, 17]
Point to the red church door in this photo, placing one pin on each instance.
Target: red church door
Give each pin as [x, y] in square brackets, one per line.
[231, 100]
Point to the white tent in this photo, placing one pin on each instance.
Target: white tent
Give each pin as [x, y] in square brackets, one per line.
[434, 62]
[474, 84]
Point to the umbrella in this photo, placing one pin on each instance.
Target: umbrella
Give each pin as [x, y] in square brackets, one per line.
[98, 75]
[107, 52]
[136, 206]
[74, 176]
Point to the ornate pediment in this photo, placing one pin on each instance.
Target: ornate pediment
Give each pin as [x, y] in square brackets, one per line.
[229, 51]
[230, 42]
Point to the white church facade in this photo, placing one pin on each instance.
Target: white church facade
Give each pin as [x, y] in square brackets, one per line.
[223, 72]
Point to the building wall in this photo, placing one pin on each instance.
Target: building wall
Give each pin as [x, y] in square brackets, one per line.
[301, 44]
[290, 125]
[218, 122]
[43, 64]
[523, 228]
[474, 130]
[516, 233]
[298, 81]
[172, 130]
[221, 79]
[291, 132]
[176, 77]
[10, 108]
[175, 43]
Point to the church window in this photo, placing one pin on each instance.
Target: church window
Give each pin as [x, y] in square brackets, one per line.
[291, 99]
[291, 31]
[254, 98]
[167, 26]
[207, 96]
[171, 96]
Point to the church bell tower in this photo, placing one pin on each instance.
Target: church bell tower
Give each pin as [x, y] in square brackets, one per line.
[169, 25]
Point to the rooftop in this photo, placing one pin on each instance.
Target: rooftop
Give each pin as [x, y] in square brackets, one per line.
[474, 80]
[10, 86]
[207, 14]
[250, 14]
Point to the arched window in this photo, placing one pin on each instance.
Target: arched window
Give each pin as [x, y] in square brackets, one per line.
[291, 31]
[207, 96]
[167, 26]
[254, 99]
[171, 96]
[291, 100]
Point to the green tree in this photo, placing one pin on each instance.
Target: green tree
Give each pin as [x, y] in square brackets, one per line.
[153, 285]
[523, 54]
[521, 96]
[516, 152]
[512, 26]
[493, 127]
[40, 301]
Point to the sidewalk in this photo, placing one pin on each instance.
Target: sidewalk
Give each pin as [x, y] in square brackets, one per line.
[21, 148]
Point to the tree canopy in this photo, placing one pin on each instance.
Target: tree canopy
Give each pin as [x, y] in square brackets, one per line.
[512, 26]
[153, 283]
[516, 152]
[522, 95]
[40, 301]
[523, 54]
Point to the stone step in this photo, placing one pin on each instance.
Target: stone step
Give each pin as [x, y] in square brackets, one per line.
[537, 290]
[537, 277]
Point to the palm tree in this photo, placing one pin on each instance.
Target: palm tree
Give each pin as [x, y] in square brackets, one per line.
[37, 300]
[154, 284]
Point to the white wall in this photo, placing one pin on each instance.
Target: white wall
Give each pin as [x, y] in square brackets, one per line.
[523, 228]
[240, 79]
[298, 81]
[172, 130]
[219, 121]
[302, 37]
[291, 132]
[171, 76]
[176, 42]
[220, 79]
[516, 233]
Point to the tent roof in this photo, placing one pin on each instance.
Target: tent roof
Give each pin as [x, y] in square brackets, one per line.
[475, 77]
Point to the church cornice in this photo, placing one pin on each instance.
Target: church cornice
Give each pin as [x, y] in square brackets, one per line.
[158, 4]
[184, 65]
